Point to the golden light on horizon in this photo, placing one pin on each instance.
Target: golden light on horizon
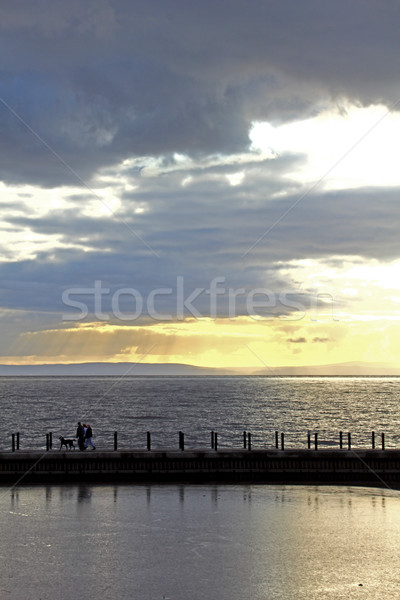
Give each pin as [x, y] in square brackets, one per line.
[221, 343]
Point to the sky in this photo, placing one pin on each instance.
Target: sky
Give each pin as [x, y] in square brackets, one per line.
[208, 183]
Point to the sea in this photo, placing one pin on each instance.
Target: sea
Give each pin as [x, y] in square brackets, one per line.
[132, 406]
[199, 542]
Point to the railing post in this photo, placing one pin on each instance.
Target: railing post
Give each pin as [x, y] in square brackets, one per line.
[244, 439]
[215, 441]
[282, 441]
[341, 439]
[309, 440]
[115, 440]
[148, 440]
[249, 441]
[13, 442]
[373, 440]
[181, 440]
[276, 440]
[349, 440]
[47, 442]
[383, 441]
[50, 440]
[316, 441]
[17, 440]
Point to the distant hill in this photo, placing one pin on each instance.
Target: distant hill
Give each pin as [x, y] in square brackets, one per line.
[114, 369]
[143, 369]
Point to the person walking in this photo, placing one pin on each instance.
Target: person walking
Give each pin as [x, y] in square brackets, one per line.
[88, 436]
[80, 434]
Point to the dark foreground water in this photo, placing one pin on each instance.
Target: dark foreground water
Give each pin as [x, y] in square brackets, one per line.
[199, 543]
[196, 405]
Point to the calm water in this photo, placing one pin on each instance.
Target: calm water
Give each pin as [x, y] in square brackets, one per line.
[196, 405]
[199, 543]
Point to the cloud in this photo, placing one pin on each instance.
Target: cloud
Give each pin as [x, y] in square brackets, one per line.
[104, 81]
[127, 160]
[199, 231]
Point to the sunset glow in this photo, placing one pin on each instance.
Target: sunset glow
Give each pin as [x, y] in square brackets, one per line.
[172, 192]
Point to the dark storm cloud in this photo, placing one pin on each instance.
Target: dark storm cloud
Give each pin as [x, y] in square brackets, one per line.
[212, 225]
[204, 230]
[102, 81]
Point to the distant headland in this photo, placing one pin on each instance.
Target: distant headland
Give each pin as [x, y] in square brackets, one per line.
[131, 369]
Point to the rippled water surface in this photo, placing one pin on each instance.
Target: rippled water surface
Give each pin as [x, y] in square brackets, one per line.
[196, 405]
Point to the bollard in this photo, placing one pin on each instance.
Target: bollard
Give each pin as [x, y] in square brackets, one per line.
[249, 441]
[316, 441]
[383, 441]
[282, 441]
[341, 439]
[373, 440]
[212, 439]
[215, 441]
[276, 440]
[13, 442]
[349, 440]
[244, 439]
[148, 440]
[17, 440]
[115, 440]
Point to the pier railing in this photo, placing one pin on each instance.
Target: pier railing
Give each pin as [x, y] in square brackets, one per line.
[312, 441]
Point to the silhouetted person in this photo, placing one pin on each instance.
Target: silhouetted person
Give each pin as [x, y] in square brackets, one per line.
[88, 437]
[80, 434]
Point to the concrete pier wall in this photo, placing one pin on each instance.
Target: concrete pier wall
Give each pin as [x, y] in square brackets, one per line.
[352, 467]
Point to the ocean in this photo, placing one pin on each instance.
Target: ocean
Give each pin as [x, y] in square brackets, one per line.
[34, 406]
[199, 542]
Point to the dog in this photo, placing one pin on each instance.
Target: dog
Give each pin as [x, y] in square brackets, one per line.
[69, 444]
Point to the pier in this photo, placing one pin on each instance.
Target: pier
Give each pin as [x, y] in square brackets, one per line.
[372, 467]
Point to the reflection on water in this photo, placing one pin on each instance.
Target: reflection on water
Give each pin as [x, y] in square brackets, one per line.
[84, 493]
[199, 542]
